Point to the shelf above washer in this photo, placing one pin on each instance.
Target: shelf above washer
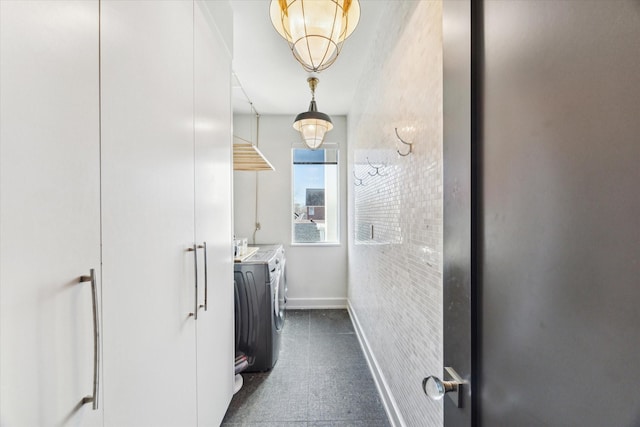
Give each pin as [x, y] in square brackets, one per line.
[250, 252]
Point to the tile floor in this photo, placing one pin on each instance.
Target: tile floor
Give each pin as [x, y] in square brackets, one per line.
[321, 379]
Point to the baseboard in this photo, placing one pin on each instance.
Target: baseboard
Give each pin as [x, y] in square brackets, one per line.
[390, 405]
[315, 303]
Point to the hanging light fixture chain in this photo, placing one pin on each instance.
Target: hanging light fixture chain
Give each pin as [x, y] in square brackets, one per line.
[313, 83]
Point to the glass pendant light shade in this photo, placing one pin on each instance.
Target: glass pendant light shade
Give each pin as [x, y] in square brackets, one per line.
[315, 29]
[312, 124]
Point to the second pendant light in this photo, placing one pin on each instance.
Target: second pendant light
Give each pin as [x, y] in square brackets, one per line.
[312, 124]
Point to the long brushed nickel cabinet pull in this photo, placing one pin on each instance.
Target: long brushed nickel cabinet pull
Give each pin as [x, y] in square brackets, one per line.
[96, 339]
[194, 249]
[206, 281]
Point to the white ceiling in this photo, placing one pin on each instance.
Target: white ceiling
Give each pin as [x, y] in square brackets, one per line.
[275, 82]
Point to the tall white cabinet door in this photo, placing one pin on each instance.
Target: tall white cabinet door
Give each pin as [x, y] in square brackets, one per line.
[49, 211]
[148, 211]
[213, 219]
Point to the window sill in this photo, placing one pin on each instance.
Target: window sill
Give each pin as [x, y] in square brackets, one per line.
[332, 244]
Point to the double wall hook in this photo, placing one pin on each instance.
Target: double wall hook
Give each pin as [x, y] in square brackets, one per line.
[410, 144]
[377, 169]
[359, 181]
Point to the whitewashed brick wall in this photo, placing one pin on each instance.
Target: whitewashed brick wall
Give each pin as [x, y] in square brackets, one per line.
[395, 279]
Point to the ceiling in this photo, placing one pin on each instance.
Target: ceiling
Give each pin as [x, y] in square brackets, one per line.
[269, 76]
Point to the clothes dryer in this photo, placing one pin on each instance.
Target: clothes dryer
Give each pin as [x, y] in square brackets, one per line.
[260, 301]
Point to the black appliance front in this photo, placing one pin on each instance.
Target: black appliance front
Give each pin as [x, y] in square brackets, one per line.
[260, 297]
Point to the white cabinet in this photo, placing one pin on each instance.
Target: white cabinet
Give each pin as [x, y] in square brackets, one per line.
[213, 219]
[166, 130]
[148, 211]
[115, 154]
[49, 211]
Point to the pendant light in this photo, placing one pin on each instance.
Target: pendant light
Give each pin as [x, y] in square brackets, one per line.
[312, 124]
[315, 29]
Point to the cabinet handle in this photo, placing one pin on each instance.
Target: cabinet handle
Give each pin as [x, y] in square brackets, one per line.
[206, 281]
[194, 249]
[96, 339]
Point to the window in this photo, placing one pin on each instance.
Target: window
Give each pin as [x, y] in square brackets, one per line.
[315, 195]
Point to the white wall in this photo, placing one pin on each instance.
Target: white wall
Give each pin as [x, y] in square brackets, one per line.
[316, 275]
[395, 279]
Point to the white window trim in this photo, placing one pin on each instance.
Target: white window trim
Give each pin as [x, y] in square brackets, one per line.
[335, 146]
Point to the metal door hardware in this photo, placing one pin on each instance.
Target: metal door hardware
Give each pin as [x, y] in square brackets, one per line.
[452, 386]
[194, 249]
[93, 399]
[206, 280]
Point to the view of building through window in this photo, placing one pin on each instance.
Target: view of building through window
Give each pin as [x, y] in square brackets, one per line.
[315, 195]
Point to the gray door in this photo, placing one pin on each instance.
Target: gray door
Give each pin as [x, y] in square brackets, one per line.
[559, 298]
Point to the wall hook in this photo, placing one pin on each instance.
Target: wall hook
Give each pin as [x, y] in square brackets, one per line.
[359, 180]
[377, 168]
[410, 144]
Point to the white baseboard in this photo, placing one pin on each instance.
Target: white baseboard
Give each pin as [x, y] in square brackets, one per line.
[315, 303]
[390, 405]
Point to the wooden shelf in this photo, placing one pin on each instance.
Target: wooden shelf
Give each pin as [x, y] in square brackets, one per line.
[247, 157]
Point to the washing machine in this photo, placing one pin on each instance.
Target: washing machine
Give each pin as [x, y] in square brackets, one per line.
[260, 299]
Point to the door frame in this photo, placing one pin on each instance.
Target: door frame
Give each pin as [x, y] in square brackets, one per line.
[462, 173]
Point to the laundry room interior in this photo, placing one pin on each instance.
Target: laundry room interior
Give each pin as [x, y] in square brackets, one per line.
[319, 213]
[387, 250]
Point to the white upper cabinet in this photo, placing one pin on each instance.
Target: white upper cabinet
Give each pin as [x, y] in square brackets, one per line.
[49, 211]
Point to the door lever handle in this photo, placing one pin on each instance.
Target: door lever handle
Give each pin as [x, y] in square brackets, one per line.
[452, 386]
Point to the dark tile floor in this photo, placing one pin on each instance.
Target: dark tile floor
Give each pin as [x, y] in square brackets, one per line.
[321, 379]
